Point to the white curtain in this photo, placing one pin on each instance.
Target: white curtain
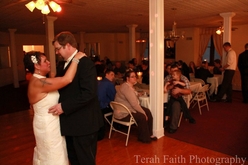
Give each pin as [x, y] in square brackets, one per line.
[218, 43]
[205, 35]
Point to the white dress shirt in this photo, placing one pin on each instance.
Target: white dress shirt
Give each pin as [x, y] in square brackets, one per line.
[70, 58]
[231, 60]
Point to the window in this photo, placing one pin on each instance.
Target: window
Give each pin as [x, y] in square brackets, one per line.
[210, 54]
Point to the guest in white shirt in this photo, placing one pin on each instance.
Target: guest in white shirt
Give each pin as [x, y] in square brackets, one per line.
[228, 68]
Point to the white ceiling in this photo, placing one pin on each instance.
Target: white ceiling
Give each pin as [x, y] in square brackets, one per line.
[93, 16]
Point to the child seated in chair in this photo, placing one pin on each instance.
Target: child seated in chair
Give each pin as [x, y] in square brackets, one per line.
[175, 82]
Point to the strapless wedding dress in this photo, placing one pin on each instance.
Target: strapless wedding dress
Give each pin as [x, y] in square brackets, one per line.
[50, 146]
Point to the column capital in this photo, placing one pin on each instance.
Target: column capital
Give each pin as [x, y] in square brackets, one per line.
[228, 14]
[132, 26]
[12, 30]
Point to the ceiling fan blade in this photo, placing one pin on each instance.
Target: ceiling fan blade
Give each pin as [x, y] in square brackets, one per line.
[7, 4]
[63, 1]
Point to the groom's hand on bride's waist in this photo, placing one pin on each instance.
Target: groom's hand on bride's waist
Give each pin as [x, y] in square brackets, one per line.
[56, 109]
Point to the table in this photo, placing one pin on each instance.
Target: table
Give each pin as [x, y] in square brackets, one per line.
[195, 86]
[145, 101]
[118, 80]
[215, 82]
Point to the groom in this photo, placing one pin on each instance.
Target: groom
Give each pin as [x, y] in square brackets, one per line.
[79, 110]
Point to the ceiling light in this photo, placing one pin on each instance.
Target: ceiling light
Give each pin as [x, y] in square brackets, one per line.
[43, 5]
[220, 30]
[30, 6]
[45, 10]
[142, 38]
[40, 4]
[55, 7]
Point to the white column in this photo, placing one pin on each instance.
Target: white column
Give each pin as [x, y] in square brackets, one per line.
[227, 23]
[50, 53]
[13, 58]
[132, 41]
[156, 61]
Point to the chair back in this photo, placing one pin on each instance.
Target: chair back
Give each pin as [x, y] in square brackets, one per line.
[201, 93]
[120, 108]
[204, 89]
[200, 96]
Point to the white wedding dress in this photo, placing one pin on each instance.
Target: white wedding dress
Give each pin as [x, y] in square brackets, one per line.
[50, 146]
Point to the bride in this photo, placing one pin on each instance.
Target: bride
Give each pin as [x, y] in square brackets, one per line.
[42, 93]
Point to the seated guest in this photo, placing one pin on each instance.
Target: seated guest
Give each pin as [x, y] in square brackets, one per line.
[145, 71]
[184, 68]
[131, 66]
[100, 67]
[135, 63]
[129, 97]
[119, 70]
[166, 69]
[217, 67]
[108, 63]
[203, 72]
[192, 67]
[175, 82]
[106, 94]
[176, 103]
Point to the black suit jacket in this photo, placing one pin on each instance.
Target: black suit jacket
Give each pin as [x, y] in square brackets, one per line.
[79, 101]
[203, 74]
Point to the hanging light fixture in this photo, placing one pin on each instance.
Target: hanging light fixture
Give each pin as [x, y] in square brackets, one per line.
[142, 38]
[220, 30]
[173, 36]
[43, 5]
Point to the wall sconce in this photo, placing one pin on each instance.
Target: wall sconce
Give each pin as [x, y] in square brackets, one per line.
[43, 6]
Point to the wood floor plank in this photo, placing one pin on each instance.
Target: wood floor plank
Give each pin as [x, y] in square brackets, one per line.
[17, 143]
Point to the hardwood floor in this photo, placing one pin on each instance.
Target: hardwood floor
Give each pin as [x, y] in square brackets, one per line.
[17, 143]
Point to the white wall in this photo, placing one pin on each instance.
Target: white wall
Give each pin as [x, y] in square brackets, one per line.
[115, 46]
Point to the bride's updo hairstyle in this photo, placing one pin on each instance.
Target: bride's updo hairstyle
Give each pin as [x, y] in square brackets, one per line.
[31, 58]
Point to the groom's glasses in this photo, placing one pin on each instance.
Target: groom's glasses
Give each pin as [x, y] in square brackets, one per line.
[57, 49]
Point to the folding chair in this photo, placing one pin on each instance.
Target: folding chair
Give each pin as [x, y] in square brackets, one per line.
[203, 83]
[106, 115]
[121, 108]
[179, 122]
[200, 97]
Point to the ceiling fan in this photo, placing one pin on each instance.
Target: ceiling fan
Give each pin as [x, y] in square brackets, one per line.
[10, 3]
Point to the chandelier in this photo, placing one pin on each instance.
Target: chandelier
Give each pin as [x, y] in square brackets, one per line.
[220, 30]
[43, 6]
[173, 36]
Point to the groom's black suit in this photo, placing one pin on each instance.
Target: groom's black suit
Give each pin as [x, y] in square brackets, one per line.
[82, 116]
